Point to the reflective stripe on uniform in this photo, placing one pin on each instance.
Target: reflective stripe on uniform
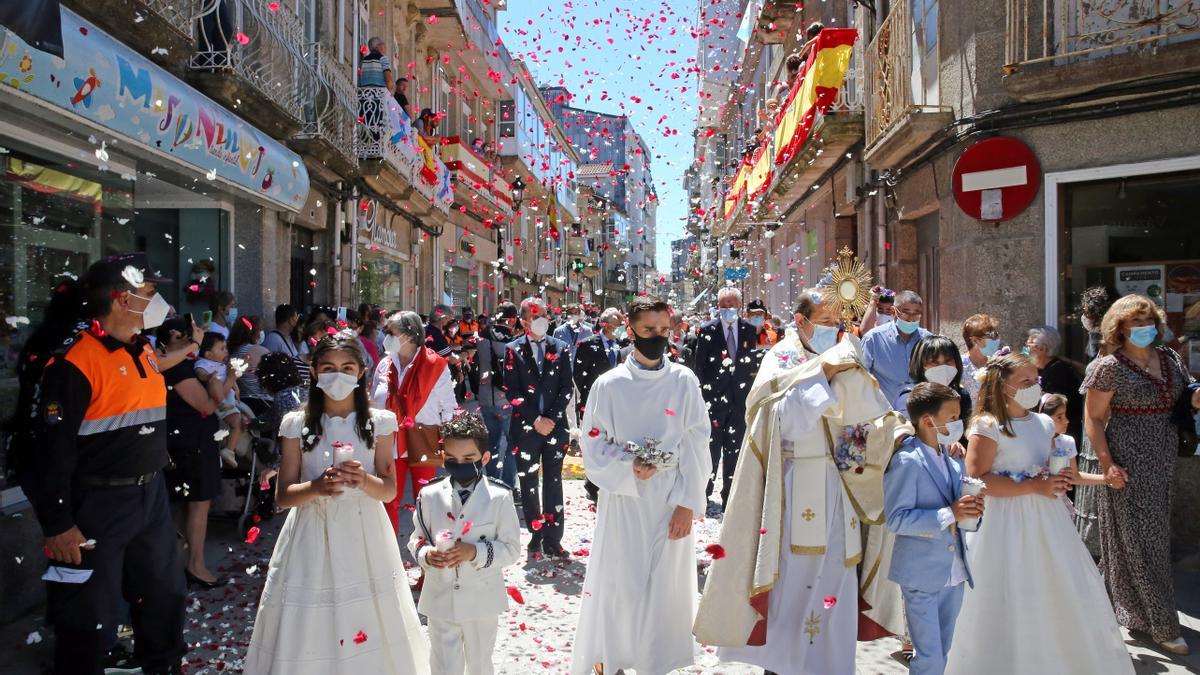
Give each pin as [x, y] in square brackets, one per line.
[122, 421]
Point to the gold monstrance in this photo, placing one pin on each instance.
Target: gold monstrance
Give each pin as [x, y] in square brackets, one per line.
[848, 285]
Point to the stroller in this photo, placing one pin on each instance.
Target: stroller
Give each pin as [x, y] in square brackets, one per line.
[248, 490]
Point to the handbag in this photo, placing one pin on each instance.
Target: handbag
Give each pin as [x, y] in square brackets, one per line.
[424, 445]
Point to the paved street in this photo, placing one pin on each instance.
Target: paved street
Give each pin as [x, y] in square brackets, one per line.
[535, 637]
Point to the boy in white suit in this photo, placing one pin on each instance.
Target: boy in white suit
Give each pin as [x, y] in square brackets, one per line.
[924, 502]
[466, 533]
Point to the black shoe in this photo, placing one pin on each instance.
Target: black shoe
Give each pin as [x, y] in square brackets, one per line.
[120, 660]
[535, 546]
[194, 580]
[554, 549]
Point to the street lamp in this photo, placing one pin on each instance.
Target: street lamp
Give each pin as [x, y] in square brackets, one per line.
[518, 192]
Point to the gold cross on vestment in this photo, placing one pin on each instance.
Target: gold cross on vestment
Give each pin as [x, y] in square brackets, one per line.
[812, 626]
[808, 514]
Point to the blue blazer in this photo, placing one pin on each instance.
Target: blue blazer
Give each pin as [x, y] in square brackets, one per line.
[551, 386]
[913, 491]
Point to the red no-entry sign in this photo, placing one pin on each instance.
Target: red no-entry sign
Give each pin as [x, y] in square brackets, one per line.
[996, 179]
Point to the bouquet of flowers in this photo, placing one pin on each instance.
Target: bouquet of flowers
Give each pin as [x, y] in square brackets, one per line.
[342, 452]
[850, 450]
[973, 487]
[444, 541]
[649, 452]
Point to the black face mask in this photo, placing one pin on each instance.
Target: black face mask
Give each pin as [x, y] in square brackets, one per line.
[650, 347]
[464, 473]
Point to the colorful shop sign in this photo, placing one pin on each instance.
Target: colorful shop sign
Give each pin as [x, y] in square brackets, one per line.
[105, 82]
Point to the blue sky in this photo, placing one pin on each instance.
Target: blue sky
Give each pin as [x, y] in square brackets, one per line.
[621, 57]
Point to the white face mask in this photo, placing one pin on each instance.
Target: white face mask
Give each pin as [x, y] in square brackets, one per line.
[392, 344]
[155, 313]
[823, 337]
[943, 374]
[954, 432]
[539, 326]
[881, 318]
[337, 386]
[1029, 397]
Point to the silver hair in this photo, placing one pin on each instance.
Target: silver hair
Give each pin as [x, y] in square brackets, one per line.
[908, 297]
[730, 291]
[530, 302]
[374, 42]
[1048, 337]
[407, 324]
[609, 316]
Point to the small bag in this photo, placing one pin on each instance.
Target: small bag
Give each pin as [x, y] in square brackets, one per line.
[424, 445]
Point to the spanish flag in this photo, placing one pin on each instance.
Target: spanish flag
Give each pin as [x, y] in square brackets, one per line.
[429, 169]
[815, 89]
[737, 188]
[760, 172]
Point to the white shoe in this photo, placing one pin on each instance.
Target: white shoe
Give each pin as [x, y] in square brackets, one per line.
[1177, 646]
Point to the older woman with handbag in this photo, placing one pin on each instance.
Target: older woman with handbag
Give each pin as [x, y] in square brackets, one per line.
[413, 382]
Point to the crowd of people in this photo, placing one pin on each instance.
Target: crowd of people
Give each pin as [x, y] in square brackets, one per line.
[825, 443]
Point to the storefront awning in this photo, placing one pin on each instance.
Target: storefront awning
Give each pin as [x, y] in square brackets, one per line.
[110, 85]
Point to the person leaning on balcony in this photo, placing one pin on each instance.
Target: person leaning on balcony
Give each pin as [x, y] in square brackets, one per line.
[402, 96]
[375, 70]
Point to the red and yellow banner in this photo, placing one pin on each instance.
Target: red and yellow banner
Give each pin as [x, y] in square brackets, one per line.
[737, 188]
[760, 172]
[817, 86]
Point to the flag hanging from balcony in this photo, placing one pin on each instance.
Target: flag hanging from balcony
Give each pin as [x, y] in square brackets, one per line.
[760, 172]
[816, 87]
[738, 187]
[429, 164]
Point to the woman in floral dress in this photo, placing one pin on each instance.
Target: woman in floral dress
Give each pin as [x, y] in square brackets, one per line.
[1130, 395]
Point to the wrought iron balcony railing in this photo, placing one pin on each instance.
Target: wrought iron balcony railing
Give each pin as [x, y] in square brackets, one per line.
[375, 130]
[330, 110]
[1066, 31]
[179, 14]
[260, 42]
[892, 71]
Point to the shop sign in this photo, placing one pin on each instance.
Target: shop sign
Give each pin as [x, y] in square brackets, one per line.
[374, 221]
[1147, 280]
[996, 179]
[109, 84]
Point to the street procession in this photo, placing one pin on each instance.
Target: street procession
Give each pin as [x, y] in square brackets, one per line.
[599, 337]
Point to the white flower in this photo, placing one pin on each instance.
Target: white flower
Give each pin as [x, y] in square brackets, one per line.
[239, 366]
[133, 275]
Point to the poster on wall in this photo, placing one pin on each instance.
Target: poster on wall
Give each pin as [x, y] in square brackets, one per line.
[1147, 280]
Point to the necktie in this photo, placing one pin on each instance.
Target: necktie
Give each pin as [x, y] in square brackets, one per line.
[464, 495]
[541, 353]
[612, 355]
[730, 342]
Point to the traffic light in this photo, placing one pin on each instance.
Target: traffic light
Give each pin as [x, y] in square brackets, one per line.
[577, 265]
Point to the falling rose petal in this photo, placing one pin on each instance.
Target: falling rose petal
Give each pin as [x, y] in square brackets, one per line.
[830, 601]
[762, 531]
[594, 432]
[466, 528]
[273, 6]
[515, 594]
[360, 638]
[243, 39]
[715, 550]
[537, 524]
[252, 535]
[670, 413]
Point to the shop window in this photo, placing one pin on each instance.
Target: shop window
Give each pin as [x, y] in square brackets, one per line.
[1133, 235]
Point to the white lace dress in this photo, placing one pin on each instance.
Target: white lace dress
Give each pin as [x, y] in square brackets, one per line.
[336, 600]
[1038, 605]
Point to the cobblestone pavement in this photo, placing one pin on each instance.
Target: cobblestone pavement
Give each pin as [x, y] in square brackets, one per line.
[535, 637]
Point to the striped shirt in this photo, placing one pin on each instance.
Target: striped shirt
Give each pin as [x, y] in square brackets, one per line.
[371, 70]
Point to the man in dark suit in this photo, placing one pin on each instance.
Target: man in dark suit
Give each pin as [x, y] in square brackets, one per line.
[593, 357]
[537, 380]
[725, 363]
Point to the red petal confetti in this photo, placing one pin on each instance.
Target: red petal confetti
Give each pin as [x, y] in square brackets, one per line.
[252, 535]
[670, 413]
[594, 432]
[715, 550]
[243, 39]
[515, 594]
[360, 638]
[466, 527]
[830, 601]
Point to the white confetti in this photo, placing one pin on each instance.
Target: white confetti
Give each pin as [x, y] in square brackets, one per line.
[220, 435]
[33, 638]
[145, 431]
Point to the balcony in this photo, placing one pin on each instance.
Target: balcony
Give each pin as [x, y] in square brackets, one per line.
[397, 161]
[478, 180]
[1058, 48]
[250, 57]
[171, 22]
[903, 110]
[329, 113]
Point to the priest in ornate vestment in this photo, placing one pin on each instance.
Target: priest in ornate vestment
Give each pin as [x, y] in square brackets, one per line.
[819, 436]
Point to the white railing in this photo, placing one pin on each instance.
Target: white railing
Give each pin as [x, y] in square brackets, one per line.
[180, 14]
[1064, 31]
[261, 42]
[375, 128]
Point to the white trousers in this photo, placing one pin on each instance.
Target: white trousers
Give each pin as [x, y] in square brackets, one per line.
[461, 647]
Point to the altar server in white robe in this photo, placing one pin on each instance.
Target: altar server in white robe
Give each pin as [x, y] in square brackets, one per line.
[785, 596]
[640, 591]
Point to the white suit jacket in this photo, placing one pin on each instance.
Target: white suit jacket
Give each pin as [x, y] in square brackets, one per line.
[474, 590]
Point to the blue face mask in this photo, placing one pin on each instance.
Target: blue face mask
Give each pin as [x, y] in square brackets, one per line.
[728, 315]
[757, 321]
[907, 327]
[232, 315]
[1143, 336]
[823, 338]
[990, 347]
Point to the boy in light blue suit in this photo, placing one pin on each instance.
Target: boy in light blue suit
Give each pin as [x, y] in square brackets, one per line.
[924, 502]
